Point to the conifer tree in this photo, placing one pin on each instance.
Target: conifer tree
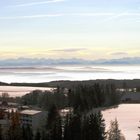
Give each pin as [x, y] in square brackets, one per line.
[114, 133]
[1, 133]
[54, 125]
[73, 127]
[15, 129]
[38, 135]
[93, 127]
[101, 124]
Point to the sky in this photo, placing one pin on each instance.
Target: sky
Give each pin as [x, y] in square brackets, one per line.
[86, 29]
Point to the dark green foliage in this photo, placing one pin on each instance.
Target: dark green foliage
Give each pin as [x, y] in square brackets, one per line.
[101, 126]
[81, 97]
[27, 133]
[72, 129]
[37, 136]
[31, 98]
[14, 132]
[114, 133]
[53, 114]
[43, 135]
[93, 127]
[54, 125]
[57, 130]
[90, 127]
[1, 138]
[85, 97]
[45, 99]
[69, 84]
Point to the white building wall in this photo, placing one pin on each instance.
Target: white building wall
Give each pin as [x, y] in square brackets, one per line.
[35, 121]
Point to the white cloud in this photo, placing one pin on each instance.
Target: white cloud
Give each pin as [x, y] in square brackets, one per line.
[123, 14]
[37, 3]
[119, 53]
[30, 17]
[92, 14]
[110, 15]
[55, 15]
[116, 16]
[69, 50]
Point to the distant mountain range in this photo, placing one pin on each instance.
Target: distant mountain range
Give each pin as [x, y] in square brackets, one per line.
[47, 62]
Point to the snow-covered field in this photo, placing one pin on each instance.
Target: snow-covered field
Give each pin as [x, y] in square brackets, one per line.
[15, 91]
[128, 116]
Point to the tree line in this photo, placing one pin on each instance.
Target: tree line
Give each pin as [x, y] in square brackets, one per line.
[80, 97]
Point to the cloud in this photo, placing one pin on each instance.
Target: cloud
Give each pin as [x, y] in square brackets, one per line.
[110, 15]
[31, 17]
[69, 50]
[55, 15]
[116, 16]
[30, 62]
[91, 14]
[122, 14]
[37, 3]
[123, 61]
[119, 53]
[131, 14]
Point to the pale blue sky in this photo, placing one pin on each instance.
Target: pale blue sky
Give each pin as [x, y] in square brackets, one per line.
[92, 29]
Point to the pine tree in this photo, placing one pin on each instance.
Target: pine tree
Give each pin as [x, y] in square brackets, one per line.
[101, 124]
[52, 115]
[114, 133]
[1, 133]
[15, 129]
[54, 125]
[56, 131]
[66, 135]
[29, 133]
[85, 128]
[93, 127]
[43, 135]
[73, 127]
[38, 135]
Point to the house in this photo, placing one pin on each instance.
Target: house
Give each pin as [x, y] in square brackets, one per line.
[33, 118]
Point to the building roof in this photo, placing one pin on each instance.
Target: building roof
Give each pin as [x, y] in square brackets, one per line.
[30, 112]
